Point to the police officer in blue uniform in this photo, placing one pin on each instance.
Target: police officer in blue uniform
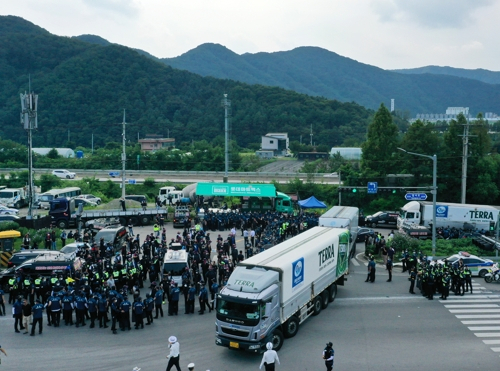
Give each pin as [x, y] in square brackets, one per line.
[37, 317]
[139, 312]
[92, 307]
[125, 314]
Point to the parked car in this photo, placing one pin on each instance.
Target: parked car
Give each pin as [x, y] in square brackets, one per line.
[71, 250]
[114, 235]
[478, 266]
[382, 219]
[25, 255]
[4, 210]
[64, 174]
[91, 198]
[363, 232]
[84, 202]
[9, 218]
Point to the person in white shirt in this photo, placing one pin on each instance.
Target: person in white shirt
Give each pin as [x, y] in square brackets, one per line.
[173, 357]
[269, 358]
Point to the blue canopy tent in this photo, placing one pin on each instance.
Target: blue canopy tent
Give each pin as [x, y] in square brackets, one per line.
[312, 203]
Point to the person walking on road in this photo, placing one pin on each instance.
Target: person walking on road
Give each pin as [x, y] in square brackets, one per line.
[328, 354]
[412, 278]
[269, 358]
[173, 357]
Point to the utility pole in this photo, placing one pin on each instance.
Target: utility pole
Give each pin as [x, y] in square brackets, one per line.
[29, 120]
[311, 135]
[464, 159]
[124, 156]
[226, 103]
[92, 143]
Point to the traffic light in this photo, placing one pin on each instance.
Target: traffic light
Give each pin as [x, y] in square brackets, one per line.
[492, 226]
[354, 190]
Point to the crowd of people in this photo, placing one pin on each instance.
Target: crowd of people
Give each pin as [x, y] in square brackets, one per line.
[129, 287]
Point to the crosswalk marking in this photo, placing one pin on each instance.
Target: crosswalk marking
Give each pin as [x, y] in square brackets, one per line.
[472, 306]
[355, 262]
[491, 342]
[466, 316]
[474, 310]
[480, 312]
[484, 328]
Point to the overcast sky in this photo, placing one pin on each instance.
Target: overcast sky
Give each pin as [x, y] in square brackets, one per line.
[384, 33]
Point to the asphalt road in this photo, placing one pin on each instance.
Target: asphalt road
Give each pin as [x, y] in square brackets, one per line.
[377, 326]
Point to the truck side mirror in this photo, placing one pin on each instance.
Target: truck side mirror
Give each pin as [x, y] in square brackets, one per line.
[267, 313]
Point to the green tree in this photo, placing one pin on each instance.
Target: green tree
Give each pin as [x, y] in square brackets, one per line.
[53, 154]
[381, 143]
[450, 161]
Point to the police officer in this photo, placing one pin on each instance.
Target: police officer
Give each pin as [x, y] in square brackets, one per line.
[115, 313]
[174, 300]
[125, 314]
[328, 354]
[139, 312]
[67, 307]
[191, 298]
[92, 307]
[37, 317]
[412, 278]
[102, 310]
[269, 358]
[17, 310]
[389, 268]
[371, 269]
[203, 299]
[55, 309]
[468, 279]
[159, 301]
[81, 307]
[149, 304]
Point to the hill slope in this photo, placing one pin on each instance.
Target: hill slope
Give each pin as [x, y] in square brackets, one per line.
[83, 88]
[489, 77]
[319, 72]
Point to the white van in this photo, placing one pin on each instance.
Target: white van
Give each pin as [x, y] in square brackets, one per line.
[175, 263]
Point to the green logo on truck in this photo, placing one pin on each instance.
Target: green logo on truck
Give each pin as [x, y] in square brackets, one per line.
[343, 252]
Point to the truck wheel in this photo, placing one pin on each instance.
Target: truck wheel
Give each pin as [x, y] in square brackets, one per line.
[317, 305]
[62, 224]
[144, 220]
[123, 221]
[482, 273]
[291, 327]
[17, 205]
[332, 292]
[277, 340]
[325, 299]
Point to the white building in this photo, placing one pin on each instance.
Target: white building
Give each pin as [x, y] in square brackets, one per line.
[452, 113]
[276, 142]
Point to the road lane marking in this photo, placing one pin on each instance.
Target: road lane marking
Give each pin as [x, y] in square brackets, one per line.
[484, 328]
[488, 334]
[472, 306]
[466, 316]
[355, 262]
[474, 310]
[494, 322]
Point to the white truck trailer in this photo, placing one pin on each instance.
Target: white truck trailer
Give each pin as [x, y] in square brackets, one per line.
[342, 217]
[464, 216]
[269, 295]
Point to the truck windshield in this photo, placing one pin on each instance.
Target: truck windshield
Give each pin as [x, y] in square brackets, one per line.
[6, 194]
[241, 311]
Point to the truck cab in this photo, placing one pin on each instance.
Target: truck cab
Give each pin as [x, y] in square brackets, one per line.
[175, 263]
[409, 214]
[248, 316]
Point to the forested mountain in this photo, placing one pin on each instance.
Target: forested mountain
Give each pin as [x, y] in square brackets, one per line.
[319, 72]
[487, 76]
[84, 86]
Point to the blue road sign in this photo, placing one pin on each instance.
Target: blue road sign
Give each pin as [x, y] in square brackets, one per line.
[131, 181]
[416, 196]
[372, 187]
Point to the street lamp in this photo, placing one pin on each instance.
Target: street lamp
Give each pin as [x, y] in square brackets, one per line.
[434, 194]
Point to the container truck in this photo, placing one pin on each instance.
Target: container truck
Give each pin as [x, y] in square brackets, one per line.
[342, 217]
[63, 214]
[463, 216]
[268, 296]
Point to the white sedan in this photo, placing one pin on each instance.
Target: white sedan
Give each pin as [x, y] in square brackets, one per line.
[4, 210]
[64, 174]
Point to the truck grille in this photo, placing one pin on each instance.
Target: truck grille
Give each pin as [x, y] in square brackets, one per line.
[234, 332]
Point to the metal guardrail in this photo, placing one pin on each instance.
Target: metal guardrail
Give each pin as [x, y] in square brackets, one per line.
[218, 174]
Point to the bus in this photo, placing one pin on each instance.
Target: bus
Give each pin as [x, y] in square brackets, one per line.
[69, 192]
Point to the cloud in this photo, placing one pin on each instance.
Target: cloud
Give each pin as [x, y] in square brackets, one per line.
[430, 13]
[126, 8]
